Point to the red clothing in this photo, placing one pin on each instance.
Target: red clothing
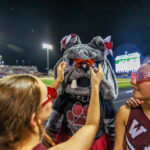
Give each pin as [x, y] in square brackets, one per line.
[102, 143]
[52, 92]
[138, 130]
[40, 146]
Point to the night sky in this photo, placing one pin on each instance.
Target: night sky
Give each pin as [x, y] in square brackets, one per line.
[26, 24]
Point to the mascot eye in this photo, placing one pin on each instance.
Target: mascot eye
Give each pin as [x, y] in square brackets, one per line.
[70, 62]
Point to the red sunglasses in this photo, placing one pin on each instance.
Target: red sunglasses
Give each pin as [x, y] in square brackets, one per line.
[79, 61]
[52, 94]
[140, 77]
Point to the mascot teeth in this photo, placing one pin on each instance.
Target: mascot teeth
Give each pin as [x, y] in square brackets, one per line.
[74, 84]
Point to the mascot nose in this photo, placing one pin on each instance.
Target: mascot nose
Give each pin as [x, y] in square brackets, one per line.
[85, 66]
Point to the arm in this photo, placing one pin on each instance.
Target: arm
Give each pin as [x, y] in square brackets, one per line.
[83, 138]
[93, 115]
[60, 75]
[120, 127]
[54, 121]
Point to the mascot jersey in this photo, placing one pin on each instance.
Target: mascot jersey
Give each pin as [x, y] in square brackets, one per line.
[70, 109]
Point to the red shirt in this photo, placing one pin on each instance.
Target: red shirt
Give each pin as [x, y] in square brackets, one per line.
[138, 130]
[40, 146]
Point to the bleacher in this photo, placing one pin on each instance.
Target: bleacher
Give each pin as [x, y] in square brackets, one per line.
[9, 70]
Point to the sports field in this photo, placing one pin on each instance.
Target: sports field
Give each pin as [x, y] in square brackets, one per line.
[120, 81]
[123, 82]
[47, 81]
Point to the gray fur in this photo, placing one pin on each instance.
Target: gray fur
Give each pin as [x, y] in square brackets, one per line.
[93, 50]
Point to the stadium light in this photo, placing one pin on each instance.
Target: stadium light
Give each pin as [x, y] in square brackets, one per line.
[47, 47]
[2, 62]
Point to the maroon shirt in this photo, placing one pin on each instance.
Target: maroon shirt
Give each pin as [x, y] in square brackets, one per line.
[138, 130]
[40, 146]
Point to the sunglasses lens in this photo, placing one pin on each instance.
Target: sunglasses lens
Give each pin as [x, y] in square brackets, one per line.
[133, 76]
[140, 77]
[90, 62]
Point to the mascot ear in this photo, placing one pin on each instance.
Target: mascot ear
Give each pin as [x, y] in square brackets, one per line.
[97, 42]
[69, 41]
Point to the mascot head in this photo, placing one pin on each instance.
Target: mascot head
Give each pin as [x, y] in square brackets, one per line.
[80, 57]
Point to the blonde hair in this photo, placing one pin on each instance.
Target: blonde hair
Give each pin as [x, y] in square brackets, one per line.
[20, 97]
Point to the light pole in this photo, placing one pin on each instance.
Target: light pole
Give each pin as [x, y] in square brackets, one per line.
[23, 62]
[17, 62]
[1, 59]
[47, 47]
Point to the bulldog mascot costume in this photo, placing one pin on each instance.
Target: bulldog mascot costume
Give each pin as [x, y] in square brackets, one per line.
[70, 108]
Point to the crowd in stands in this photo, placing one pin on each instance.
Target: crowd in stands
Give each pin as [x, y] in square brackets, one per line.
[9, 70]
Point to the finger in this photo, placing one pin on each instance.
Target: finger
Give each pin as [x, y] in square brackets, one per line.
[100, 71]
[130, 103]
[138, 101]
[64, 63]
[141, 101]
[99, 68]
[91, 70]
[127, 103]
[135, 103]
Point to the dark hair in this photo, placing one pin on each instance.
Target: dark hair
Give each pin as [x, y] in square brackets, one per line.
[20, 97]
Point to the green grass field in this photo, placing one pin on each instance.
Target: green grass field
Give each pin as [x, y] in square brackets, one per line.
[47, 81]
[120, 81]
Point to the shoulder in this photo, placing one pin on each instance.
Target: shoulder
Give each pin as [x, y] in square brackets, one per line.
[52, 148]
[124, 109]
[123, 113]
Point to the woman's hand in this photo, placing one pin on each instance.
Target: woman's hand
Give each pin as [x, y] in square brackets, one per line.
[60, 75]
[134, 102]
[60, 71]
[96, 77]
